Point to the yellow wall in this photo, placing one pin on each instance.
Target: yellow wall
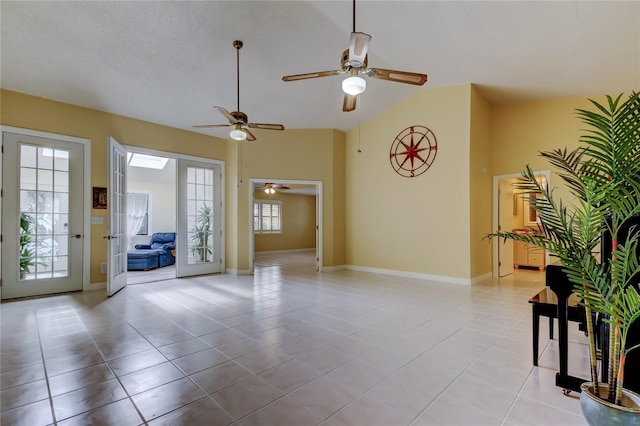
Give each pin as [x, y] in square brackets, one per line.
[30, 112]
[418, 224]
[232, 181]
[316, 155]
[337, 218]
[480, 184]
[311, 155]
[431, 224]
[298, 223]
[520, 131]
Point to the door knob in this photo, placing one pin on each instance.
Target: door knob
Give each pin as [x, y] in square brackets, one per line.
[77, 236]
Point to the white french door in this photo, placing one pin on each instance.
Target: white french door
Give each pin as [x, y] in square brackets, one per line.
[43, 221]
[117, 204]
[199, 215]
[506, 211]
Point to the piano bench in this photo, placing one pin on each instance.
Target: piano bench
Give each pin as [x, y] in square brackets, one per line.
[545, 304]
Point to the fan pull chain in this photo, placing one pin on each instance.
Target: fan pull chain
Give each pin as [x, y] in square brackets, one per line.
[240, 164]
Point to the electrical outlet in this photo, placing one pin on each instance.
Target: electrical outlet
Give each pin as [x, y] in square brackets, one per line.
[103, 268]
[384, 255]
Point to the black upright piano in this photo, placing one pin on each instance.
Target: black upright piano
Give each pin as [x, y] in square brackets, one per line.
[562, 287]
[632, 364]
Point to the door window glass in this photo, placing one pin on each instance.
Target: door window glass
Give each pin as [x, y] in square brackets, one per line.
[200, 215]
[44, 207]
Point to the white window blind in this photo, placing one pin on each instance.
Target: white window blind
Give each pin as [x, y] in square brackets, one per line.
[267, 216]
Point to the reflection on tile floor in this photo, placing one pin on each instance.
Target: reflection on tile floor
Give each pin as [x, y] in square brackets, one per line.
[287, 346]
[159, 274]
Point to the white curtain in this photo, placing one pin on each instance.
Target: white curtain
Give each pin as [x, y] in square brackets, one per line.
[136, 210]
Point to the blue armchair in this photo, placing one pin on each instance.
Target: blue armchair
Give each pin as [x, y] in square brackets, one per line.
[162, 243]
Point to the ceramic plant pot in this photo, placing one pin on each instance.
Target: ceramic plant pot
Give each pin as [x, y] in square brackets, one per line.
[599, 412]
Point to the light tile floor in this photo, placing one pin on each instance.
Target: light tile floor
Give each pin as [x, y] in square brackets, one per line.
[287, 346]
[159, 274]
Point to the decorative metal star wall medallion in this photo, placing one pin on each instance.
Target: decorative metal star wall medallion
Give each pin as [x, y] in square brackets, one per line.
[413, 151]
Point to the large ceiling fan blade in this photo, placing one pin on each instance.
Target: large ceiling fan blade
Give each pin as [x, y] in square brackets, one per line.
[211, 126]
[227, 114]
[397, 76]
[358, 47]
[250, 136]
[266, 126]
[349, 103]
[308, 75]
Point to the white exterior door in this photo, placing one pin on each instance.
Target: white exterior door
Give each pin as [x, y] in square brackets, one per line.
[117, 204]
[43, 221]
[199, 246]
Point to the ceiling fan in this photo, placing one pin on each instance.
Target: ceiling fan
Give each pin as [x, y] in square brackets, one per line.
[354, 63]
[239, 119]
[271, 188]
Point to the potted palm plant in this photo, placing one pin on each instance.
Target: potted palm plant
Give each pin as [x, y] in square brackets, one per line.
[603, 177]
[201, 232]
[27, 254]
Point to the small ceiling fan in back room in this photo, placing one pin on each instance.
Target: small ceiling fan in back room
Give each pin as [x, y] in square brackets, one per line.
[354, 63]
[271, 188]
[239, 119]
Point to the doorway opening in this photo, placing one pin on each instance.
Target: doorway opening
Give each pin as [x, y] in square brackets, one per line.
[286, 223]
[182, 208]
[512, 212]
[151, 216]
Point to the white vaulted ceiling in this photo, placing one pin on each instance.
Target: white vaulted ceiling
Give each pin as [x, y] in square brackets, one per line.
[169, 62]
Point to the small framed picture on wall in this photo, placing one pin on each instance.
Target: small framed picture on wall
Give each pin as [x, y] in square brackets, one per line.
[99, 198]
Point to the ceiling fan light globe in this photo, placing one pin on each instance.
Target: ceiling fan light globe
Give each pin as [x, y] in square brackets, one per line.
[238, 134]
[354, 85]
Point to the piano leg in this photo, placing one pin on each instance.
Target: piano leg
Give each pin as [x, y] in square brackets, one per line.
[536, 333]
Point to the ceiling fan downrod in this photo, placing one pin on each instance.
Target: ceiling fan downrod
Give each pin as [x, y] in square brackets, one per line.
[238, 45]
[354, 16]
[238, 119]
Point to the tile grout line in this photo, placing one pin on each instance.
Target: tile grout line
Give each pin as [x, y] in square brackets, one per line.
[44, 366]
[117, 378]
[464, 371]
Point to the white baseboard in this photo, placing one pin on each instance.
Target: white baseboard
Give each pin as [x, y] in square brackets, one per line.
[406, 274]
[480, 278]
[397, 273]
[304, 250]
[237, 271]
[333, 268]
[95, 286]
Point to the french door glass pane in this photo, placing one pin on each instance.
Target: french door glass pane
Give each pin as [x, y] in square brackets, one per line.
[119, 242]
[200, 215]
[256, 216]
[44, 207]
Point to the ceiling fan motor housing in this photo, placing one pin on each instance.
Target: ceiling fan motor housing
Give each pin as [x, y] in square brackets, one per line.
[346, 66]
[240, 117]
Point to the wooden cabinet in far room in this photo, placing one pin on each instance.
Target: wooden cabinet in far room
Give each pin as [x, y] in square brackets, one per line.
[528, 255]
